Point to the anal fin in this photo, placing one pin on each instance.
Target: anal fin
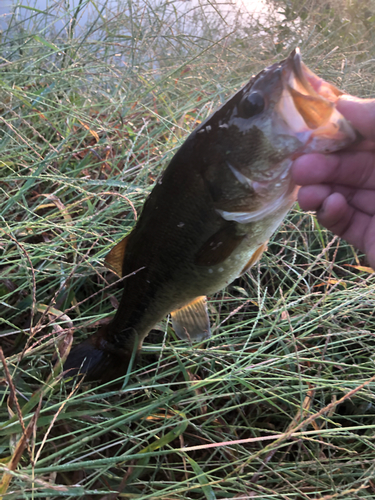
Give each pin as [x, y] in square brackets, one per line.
[115, 257]
[191, 321]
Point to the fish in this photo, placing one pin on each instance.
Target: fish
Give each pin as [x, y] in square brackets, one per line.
[210, 215]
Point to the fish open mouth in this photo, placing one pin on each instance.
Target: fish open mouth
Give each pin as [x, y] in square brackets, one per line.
[311, 81]
[307, 103]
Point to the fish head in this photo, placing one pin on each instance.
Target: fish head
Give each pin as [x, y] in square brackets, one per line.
[281, 113]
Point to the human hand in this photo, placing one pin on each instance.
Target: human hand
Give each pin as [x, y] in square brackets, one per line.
[340, 186]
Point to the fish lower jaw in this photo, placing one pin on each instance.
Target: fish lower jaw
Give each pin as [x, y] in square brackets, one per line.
[327, 139]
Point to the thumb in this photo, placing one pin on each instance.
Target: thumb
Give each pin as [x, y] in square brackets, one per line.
[360, 112]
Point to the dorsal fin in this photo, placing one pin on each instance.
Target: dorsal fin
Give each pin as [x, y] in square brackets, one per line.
[191, 321]
[255, 257]
[115, 257]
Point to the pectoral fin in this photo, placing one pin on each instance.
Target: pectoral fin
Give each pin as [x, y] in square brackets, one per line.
[255, 257]
[191, 321]
[219, 247]
[115, 257]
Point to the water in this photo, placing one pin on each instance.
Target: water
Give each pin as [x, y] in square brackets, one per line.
[147, 32]
[59, 13]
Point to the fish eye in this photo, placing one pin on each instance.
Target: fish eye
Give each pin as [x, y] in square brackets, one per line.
[251, 104]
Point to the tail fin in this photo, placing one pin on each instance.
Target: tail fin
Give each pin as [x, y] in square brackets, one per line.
[97, 359]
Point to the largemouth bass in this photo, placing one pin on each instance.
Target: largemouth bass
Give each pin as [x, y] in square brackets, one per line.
[210, 215]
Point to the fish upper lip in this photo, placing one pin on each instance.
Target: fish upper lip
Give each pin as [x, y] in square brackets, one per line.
[311, 83]
[306, 79]
[297, 67]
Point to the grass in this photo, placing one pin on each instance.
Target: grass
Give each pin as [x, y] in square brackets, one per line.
[280, 403]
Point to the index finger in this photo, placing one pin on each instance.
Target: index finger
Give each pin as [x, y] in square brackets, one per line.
[360, 112]
[348, 168]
